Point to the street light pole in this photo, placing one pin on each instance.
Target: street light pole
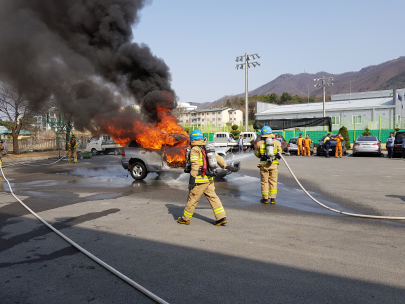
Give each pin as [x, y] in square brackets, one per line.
[325, 82]
[246, 58]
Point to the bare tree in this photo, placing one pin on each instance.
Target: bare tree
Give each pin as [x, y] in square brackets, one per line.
[18, 104]
[179, 113]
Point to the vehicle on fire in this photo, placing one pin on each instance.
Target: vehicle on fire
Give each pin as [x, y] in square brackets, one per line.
[140, 161]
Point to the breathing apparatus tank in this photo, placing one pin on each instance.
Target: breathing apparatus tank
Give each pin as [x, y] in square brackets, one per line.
[211, 156]
[187, 169]
[269, 148]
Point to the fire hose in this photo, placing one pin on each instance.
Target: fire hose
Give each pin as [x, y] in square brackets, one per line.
[379, 217]
[84, 251]
[30, 163]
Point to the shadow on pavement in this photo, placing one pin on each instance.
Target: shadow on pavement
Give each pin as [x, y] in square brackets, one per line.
[178, 274]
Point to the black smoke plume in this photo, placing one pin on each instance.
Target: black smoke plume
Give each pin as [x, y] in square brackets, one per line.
[82, 50]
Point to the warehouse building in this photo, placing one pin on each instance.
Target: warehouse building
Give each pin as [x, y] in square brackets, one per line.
[355, 111]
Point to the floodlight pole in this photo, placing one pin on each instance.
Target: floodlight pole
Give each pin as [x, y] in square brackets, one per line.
[247, 65]
[246, 94]
[325, 82]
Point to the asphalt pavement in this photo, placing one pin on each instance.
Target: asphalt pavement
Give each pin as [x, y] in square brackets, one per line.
[291, 252]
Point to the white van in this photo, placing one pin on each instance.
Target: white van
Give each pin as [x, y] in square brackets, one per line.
[247, 136]
[223, 137]
[103, 143]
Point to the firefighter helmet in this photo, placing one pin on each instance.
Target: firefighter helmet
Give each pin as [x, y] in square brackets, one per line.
[266, 130]
[196, 134]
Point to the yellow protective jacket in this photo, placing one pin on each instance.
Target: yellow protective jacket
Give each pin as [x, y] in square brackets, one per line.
[72, 146]
[307, 142]
[339, 140]
[196, 158]
[300, 141]
[260, 149]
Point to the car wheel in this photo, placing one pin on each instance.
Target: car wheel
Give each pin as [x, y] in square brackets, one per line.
[117, 152]
[138, 171]
[94, 152]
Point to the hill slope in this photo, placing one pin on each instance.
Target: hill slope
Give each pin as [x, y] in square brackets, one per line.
[387, 75]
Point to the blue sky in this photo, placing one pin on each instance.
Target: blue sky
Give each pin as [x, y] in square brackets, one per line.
[199, 41]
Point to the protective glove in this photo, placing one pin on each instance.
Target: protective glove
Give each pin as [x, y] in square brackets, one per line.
[231, 168]
[278, 156]
[191, 183]
[263, 158]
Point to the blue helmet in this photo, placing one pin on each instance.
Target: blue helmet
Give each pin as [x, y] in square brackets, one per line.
[266, 130]
[196, 134]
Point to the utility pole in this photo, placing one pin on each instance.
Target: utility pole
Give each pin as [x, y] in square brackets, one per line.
[325, 82]
[247, 65]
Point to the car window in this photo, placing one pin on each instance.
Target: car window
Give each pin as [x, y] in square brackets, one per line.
[293, 140]
[398, 137]
[134, 144]
[95, 138]
[367, 138]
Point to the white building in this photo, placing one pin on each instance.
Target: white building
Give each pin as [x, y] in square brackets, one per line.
[186, 106]
[354, 111]
[217, 117]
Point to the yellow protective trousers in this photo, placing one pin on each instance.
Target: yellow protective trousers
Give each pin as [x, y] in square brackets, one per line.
[300, 150]
[338, 150]
[307, 151]
[269, 175]
[208, 189]
[74, 153]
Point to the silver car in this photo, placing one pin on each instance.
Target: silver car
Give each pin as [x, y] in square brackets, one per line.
[367, 144]
[293, 147]
[140, 161]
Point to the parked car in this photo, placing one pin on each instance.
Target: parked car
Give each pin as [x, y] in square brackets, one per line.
[293, 147]
[398, 144]
[320, 148]
[140, 161]
[280, 138]
[367, 144]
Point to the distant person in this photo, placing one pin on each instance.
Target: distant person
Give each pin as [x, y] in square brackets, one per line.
[300, 141]
[390, 145]
[205, 137]
[326, 143]
[278, 137]
[339, 145]
[240, 144]
[307, 146]
[72, 147]
[403, 146]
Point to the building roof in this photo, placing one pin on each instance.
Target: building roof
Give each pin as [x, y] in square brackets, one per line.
[22, 132]
[330, 106]
[212, 110]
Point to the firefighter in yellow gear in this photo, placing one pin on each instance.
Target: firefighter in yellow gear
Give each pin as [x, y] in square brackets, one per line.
[72, 147]
[300, 142]
[268, 167]
[200, 184]
[339, 140]
[307, 146]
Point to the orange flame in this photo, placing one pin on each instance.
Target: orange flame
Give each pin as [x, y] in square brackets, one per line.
[151, 136]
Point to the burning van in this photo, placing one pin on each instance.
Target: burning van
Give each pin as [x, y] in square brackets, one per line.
[140, 161]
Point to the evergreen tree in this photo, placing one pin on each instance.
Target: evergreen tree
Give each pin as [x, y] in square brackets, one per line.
[345, 134]
[367, 132]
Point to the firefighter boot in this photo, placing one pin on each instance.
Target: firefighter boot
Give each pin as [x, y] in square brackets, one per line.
[264, 201]
[221, 222]
[180, 220]
[273, 201]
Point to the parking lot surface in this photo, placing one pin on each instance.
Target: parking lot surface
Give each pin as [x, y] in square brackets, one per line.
[291, 252]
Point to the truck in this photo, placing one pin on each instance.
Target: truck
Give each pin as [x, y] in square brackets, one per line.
[140, 161]
[104, 144]
[225, 139]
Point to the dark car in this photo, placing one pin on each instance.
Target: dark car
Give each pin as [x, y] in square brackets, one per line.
[320, 148]
[398, 144]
